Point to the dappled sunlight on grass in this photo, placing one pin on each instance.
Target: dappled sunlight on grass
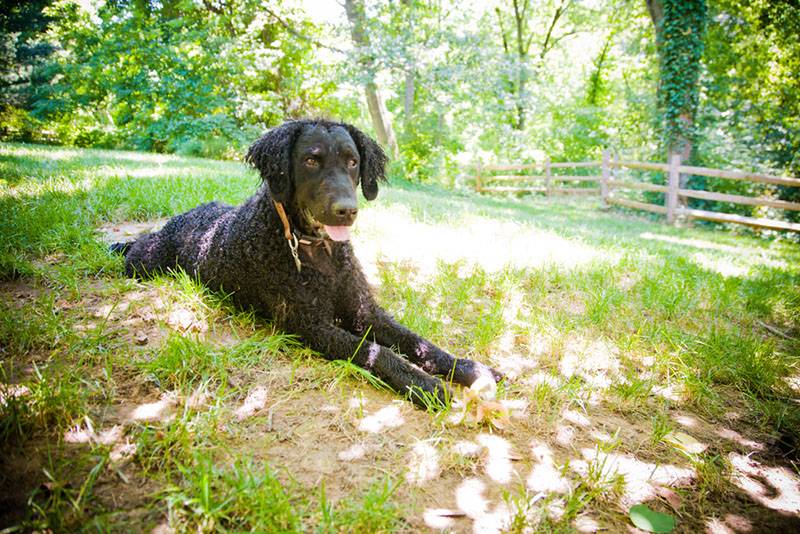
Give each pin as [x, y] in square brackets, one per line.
[595, 361]
[640, 479]
[777, 488]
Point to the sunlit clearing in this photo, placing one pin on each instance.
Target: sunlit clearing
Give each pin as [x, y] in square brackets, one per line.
[255, 401]
[387, 417]
[51, 186]
[640, 477]
[498, 460]
[730, 524]
[66, 154]
[393, 234]
[423, 463]
[154, 411]
[774, 487]
[595, 361]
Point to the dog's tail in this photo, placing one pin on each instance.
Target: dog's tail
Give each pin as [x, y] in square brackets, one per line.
[121, 248]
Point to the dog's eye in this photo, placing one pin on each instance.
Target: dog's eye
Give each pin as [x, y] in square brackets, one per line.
[312, 162]
[352, 164]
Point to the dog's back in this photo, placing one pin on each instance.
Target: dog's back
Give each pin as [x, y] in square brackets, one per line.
[185, 241]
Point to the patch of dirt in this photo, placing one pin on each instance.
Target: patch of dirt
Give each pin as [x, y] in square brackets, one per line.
[129, 230]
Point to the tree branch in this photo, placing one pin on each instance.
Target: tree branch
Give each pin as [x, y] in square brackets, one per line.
[547, 45]
[502, 30]
[299, 35]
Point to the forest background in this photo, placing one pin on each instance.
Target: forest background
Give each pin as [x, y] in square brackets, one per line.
[441, 83]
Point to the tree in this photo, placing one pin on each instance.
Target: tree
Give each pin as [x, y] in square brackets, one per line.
[680, 29]
[377, 109]
[517, 43]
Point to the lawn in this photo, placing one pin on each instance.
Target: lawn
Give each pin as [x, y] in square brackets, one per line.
[646, 364]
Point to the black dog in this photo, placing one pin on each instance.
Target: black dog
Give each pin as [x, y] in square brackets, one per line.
[285, 253]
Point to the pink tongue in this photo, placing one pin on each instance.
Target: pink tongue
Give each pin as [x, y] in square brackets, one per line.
[338, 233]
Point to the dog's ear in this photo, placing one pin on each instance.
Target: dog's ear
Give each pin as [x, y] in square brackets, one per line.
[373, 162]
[272, 156]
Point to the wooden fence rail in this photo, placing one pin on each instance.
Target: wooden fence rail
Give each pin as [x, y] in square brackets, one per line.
[609, 184]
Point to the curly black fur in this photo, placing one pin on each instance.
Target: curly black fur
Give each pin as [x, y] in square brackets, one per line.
[328, 304]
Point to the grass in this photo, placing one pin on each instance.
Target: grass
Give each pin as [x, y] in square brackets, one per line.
[617, 331]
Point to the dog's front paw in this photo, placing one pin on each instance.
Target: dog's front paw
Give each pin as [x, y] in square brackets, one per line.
[432, 395]
[468, 371]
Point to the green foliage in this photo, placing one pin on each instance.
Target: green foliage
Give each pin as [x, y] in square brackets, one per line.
[180, 77]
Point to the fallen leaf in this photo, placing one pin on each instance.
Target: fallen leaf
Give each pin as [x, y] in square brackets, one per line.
[650, 520]
[685, 442]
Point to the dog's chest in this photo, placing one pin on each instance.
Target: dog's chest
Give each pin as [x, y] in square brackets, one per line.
[320, 259]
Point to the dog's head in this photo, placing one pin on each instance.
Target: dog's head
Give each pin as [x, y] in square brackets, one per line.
[313, 167]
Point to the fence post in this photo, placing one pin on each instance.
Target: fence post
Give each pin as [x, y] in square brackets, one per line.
[605, 176]
[671, 200]
[547, 176]
[478, 182]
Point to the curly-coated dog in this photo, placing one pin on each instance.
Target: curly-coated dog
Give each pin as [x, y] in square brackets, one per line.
[285, 253]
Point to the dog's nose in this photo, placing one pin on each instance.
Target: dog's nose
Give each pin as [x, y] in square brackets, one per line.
[345, 211]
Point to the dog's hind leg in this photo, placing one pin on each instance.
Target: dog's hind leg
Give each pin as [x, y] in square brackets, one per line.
[151, 254]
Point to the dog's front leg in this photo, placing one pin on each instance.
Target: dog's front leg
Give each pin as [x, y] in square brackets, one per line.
[337, 344]
[425, 354]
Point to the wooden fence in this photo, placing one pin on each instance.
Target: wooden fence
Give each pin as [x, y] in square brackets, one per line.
[608, 185]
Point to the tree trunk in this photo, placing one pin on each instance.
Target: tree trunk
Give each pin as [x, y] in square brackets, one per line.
[408, 103]
[377, 109]
[679, 28]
